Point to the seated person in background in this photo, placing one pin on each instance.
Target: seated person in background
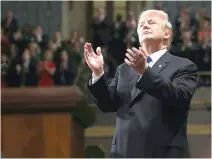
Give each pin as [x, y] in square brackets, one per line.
[65, 71]
[204, 29]
[28, 76]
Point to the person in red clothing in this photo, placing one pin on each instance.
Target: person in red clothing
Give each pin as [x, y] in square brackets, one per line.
[205, 29]
[46, 70]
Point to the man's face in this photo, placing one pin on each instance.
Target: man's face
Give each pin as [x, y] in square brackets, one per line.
[150, 27]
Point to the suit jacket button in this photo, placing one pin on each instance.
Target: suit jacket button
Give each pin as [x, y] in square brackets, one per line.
[131, 113]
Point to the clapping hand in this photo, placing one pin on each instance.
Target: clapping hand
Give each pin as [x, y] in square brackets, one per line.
[137, 59]
[94, 60]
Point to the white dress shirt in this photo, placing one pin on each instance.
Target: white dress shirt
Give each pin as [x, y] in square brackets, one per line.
[155, 56]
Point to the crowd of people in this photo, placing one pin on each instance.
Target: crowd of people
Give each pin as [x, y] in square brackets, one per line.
[35, 59]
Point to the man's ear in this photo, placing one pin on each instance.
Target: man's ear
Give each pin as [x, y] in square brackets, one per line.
[168, 34]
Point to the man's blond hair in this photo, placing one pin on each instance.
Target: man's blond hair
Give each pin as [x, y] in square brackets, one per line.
[166, 23]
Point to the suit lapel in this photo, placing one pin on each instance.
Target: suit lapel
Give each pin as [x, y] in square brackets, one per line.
[157, 67]
[162, 62]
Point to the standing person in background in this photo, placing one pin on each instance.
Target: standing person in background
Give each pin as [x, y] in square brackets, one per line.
[9, 23]
[101, 29]
[131, 38]
[118, 46]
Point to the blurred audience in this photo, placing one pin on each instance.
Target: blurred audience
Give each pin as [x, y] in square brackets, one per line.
[36, 60]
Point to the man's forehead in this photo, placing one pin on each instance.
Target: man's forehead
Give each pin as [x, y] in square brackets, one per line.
[151, 16]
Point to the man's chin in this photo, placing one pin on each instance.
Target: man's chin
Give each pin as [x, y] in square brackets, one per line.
[147, 38]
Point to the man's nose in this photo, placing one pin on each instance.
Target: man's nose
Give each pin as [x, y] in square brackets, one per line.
[146, 25]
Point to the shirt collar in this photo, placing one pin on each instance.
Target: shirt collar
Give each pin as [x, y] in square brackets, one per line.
[155, 56]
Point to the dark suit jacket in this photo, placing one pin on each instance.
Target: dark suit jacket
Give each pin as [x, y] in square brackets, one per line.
[152, 112]
[29, 78]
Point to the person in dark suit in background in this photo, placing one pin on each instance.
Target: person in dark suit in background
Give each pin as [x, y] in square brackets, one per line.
[117, 46]
[9, 23]
[151, 93]
[65, 70]
[101, 29]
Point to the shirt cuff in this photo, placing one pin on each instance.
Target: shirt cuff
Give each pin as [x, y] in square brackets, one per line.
[96, 78]
[141, 74]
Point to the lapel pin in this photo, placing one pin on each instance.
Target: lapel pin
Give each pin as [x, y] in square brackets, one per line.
[160, 65]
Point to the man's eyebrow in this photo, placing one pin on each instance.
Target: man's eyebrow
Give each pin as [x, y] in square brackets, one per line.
[141, 21]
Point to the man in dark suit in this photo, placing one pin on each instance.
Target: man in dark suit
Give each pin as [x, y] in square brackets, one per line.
[9, 23]
[101, 29]
[151, 93]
